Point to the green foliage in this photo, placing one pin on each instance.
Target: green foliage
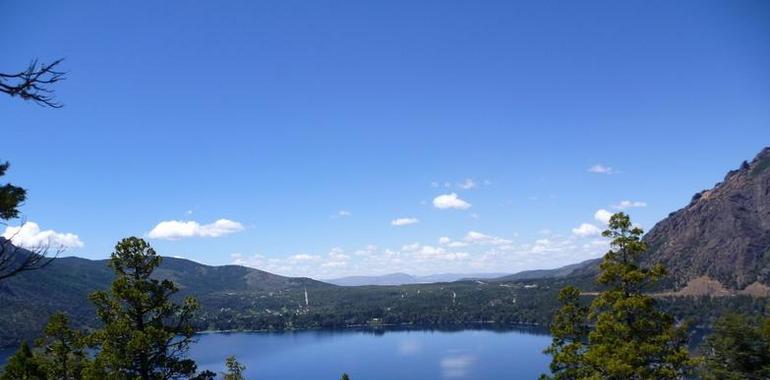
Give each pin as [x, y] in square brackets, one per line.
[234, 369]
[10, 197]
[739, 348]
[570, 332]
[344, 377]
[144, 335]
[63, 349]
[23, 365]
[629, 337]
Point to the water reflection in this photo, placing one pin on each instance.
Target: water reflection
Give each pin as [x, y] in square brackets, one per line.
[382, 354]
[457, 366]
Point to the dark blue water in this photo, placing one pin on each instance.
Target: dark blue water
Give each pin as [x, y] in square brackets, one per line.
[404, 355]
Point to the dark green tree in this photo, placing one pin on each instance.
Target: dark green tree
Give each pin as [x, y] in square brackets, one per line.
[738, 348]
[11, 197]
[23, 365]
[345, 377]
[145, 335]
[63, 353]
[569, 329]
[629, 337]
[234, 369]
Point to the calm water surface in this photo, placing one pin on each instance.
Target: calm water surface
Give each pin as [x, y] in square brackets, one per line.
[392, 355]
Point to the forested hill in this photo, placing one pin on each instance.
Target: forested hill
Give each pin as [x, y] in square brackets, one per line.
[26, 300]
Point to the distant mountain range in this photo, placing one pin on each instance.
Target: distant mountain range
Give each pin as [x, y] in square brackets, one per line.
[564, 271]
[405, 279]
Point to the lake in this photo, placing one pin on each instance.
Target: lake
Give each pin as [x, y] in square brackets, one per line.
[388, 355]
[376, 355]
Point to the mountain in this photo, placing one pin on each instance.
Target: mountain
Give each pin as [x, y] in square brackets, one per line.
[723, 234]
[405, 279]
[26, 300]
[718, 244]
[564, 271]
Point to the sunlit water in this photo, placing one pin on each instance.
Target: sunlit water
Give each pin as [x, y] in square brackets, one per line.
[383, 355]
[404, 355]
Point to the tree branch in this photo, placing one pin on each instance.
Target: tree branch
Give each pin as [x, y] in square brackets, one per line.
[34, 83]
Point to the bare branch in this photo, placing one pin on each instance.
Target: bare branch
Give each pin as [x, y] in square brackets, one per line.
[14, 260]
[33, 83]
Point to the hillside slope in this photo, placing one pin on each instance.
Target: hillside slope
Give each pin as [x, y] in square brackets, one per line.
[722, 234]
[27, 299]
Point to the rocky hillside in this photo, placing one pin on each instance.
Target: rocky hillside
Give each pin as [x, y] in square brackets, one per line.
[722, 235]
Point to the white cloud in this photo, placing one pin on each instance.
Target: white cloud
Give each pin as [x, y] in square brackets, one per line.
[603, 216]
[341, 214]
[467, 184]
[177, 229]
[586, 229]
[629, 204]
[447, 201]
[601, 169]
[404, 221]
[303, 257]
[474, 237]
[29, 236]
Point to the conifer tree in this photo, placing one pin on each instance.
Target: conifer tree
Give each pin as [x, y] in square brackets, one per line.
[145, 335]
[234, 369]
[63, 350]
[570, 332]
[23, 365]
[629, 337]
[739, 348]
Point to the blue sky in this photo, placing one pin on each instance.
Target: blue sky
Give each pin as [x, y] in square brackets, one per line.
[309, 127]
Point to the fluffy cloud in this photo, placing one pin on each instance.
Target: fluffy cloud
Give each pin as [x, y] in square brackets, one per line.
[586, 229]
[629, 204]
[474, 237]
[447, 242]
[474, 252]
[30, 236]
[447, 201]
[176, 229]
[404, 221]
[601, 169]
[603, 216]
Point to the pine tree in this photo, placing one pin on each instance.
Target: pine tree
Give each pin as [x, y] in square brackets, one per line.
[739, 348]
[23, 365]
[570, 332]
[629, 338]
[63, 349]
[234, 369]
[145, 335]
[345, 377]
